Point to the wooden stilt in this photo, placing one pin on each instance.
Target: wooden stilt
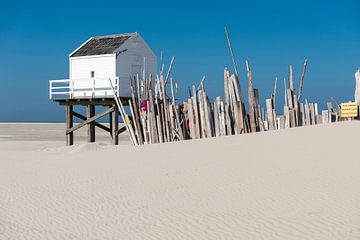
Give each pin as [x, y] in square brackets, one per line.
[110, 124]
[115, 124]
[69, 124]
[91, 125]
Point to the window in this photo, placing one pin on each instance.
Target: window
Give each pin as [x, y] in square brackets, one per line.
[92, 74]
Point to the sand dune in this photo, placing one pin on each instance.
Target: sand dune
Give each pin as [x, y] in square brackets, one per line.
[290, 184]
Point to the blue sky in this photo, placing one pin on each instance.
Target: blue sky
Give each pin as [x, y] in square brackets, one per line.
[36, 38]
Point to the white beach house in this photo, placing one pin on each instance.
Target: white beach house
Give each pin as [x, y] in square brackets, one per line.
[116, 57]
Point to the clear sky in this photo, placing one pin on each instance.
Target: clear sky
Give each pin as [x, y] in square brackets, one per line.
[36, 38]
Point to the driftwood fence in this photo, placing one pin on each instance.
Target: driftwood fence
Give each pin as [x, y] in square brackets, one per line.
[155, 117]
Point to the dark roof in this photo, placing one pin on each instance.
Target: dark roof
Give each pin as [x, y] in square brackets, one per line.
[101, 45]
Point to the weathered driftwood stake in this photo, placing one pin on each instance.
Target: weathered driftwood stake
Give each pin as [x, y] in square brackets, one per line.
[357, 86]
[251, 99]
[302, 79]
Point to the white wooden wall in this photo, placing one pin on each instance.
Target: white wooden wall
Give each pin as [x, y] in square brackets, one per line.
[131, 62]
[126, 64]
[103, 65]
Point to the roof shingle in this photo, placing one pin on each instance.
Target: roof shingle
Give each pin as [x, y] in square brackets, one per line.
[101, 45]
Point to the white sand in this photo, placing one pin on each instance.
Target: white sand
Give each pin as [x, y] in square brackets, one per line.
[291, 184]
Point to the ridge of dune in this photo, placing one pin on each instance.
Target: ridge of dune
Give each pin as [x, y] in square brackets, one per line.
[289, 184]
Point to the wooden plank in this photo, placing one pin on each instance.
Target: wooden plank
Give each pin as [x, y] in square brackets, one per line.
[162, 122]
[69, 125]
[110, 124]
[123, 115]
[290, 98]
[169, 70]
[312, 113]
[257, 104]
[285, 94]
[269, 112]
[349, 110]
[227, 116]
[165, 108]
[291, 78]
[152, 117]
[232, 110]
[80, 125]
[231, 51]
[202, 115]
[135, 114]
[89, 101]
[238, 86]
[274, 93]
[226, 86]
[296, 110]
[121, 130]
[196, 113]
[357, 86]
[222, 120]
[253, 127]
[217, 116]
[191, 119]
[78, 115]
[135, 122]
[178, 127]
[319, 119]
[282, 122]
[207, 113]
[184, 119]
[91, 125]
[307, 113]
[115, 124]
[301, 114]
[159, 128]
[292, 118]
[302, 79]
[239, 117]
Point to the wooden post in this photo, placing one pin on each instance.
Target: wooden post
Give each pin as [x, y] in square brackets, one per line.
[302, 79]
[196, 113]
[69, 124]
[110, 123]
[251, 100]
[115, 124]
[287, 116]
[270, 116]
[91, 125]
[192, 122]
[216, 116]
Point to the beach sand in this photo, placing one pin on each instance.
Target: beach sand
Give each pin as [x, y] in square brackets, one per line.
[299, 183]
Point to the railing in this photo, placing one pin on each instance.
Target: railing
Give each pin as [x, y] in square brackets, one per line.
[82, 88]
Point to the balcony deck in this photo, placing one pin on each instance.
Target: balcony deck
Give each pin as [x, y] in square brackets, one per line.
[83, 89]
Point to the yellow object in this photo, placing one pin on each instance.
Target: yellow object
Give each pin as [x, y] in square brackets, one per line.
[349, 110]
[127, 120]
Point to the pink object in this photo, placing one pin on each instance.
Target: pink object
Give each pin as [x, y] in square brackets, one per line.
[144, 105]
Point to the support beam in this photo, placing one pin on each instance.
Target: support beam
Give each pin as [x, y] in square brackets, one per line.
[121, 130]
[78, 115]
[115, 124]
[89, 120]
[85, 102]
[69, 125]
[91, 125]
